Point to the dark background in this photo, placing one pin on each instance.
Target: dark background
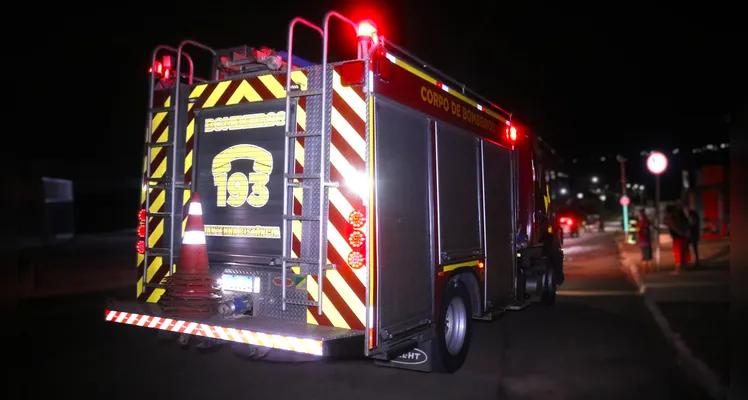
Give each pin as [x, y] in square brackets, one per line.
[593, 81]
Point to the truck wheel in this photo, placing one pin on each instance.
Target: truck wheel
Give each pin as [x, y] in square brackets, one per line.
[453, 328]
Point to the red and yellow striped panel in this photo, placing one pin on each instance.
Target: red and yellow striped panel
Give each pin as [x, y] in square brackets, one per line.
[344, 289]
[290, 343]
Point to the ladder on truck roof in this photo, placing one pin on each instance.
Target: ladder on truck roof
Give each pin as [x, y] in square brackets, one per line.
[173, 179]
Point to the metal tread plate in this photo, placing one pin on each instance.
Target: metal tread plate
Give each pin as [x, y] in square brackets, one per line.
[266, 325]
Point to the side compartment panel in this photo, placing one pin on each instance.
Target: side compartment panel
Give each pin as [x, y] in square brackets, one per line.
[500, 257]
[403, 217]
[459, 192]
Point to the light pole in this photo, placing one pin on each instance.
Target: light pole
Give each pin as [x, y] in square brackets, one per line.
[657, 164]
[622, 160]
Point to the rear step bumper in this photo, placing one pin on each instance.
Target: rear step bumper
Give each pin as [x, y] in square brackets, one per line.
[259, 331]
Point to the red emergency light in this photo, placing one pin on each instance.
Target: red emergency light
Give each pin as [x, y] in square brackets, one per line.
[367, 29]
[511, 132]
[162, 68]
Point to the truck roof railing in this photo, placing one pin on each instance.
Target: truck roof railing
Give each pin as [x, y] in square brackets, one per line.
[287, 56]
[442, 76]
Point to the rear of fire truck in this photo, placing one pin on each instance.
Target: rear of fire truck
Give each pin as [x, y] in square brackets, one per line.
[279, 160]
[311, 248]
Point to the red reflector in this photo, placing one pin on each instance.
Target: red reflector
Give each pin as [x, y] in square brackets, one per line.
[141, 215]
[352, 73]
[357, 219]
[382, 65]
[141, 246]
[356, 239]
[141, 231]
[356, 260]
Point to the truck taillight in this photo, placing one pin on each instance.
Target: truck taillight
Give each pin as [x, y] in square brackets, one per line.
[356, 240]
[357, 219]
[141, 246]
[356, 260]
[141, 215]
[141, 231]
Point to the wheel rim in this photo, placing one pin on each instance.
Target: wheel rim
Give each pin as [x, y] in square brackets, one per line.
[455, 325]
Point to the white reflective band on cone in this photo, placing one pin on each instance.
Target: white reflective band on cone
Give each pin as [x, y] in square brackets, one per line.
[196, 209]
[194, 237]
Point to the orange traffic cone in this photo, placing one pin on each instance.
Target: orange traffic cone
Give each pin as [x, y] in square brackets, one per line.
[192, 291]
[193, 256]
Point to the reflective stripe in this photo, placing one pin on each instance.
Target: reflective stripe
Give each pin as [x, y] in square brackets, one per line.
[196, 209]
[291, 343]
[194, 237]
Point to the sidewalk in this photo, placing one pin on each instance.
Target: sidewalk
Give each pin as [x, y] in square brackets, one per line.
[714, 268]
[83, 264]
[692, 308]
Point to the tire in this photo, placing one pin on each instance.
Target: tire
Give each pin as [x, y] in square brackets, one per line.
[454, 328]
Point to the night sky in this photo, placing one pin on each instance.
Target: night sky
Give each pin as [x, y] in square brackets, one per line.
[589, 81]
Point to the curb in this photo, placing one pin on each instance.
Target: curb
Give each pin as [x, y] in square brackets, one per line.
[691, 364]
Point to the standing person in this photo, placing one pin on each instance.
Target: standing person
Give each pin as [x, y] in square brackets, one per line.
[694, 228]
[677, 223]
[644, 239]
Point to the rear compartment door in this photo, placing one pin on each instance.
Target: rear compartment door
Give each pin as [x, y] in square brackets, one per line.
[239, 167]
[404, 213]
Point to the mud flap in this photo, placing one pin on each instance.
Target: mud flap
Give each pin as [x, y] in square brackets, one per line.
[418, 359]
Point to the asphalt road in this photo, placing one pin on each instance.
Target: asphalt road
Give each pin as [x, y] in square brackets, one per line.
[597, 342]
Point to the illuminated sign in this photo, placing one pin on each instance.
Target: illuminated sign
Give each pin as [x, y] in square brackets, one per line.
[247, 121]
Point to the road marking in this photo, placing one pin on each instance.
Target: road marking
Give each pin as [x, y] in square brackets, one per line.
[693, 365]
[656, 285]
[582, 293]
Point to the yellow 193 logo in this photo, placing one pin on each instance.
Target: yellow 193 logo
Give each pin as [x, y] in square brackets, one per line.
[240, 188]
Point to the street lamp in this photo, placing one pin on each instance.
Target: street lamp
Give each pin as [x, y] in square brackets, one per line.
[602, 198]
[595, 179]
[580, 195]
[657, 164]
[563, 191]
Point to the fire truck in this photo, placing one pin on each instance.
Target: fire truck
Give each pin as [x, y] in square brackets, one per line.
[372, 205]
